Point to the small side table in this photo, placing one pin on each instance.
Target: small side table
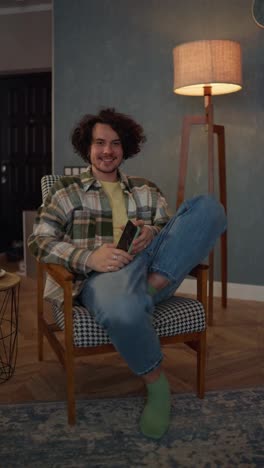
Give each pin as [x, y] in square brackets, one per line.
[9, 303]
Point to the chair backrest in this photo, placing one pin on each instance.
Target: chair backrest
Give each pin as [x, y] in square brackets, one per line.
[46, 183]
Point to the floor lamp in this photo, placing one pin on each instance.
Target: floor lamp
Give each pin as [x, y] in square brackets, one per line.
[206, 68]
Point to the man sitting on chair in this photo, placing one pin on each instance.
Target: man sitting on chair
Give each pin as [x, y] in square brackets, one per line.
[79, 227]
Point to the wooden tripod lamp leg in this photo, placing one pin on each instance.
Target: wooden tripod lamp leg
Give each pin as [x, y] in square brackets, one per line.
[188, 121]
[210, 123]
[186, 128]
[183, 162]
[220, 131]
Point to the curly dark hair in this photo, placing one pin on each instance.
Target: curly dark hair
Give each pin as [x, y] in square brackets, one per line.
[130, 132]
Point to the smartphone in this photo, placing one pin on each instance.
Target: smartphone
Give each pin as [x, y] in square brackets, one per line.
[129, 234]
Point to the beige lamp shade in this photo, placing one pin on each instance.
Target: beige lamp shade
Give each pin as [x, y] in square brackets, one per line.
[212, 63]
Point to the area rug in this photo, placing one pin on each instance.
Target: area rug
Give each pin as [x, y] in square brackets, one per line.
[226, 429]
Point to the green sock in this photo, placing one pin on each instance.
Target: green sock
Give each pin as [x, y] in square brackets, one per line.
[152, 290]
[155, 418]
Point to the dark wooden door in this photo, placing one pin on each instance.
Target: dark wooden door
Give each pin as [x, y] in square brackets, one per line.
[25, 149]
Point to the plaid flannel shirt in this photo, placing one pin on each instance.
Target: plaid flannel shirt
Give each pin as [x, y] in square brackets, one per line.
[76, 218]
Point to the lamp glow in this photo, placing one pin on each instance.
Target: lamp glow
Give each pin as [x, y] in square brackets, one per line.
[214, 64]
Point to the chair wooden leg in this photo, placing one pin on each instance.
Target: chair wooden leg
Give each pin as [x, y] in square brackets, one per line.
[70, 391]
[40, 311]
[224, 268]
[40, 342]
[211, 289]
[69, 355]
[201, 365]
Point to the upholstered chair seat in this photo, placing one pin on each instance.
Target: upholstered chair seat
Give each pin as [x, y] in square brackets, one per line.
[174, 316]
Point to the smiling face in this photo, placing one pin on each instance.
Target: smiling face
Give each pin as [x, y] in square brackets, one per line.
[106, 152]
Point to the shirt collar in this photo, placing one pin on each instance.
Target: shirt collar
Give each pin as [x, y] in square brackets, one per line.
[88, 179]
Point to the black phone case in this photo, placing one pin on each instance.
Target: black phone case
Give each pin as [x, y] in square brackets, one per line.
[128, 235]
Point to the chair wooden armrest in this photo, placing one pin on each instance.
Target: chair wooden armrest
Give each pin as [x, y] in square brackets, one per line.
[58, 272]
[200, 272]
[63, 277]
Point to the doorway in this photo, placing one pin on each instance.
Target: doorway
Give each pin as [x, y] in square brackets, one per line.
[25, 150]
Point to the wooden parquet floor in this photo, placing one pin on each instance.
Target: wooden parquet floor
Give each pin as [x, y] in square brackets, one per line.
[235, 358]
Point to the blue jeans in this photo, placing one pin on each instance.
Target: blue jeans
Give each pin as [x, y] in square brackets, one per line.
[120, 301]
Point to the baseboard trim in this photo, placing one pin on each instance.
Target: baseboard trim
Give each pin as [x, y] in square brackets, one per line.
[249, 292]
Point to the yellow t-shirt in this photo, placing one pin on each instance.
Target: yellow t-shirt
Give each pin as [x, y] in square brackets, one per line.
[117, 202]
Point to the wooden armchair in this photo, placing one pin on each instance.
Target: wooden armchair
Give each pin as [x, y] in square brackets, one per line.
[176, 320]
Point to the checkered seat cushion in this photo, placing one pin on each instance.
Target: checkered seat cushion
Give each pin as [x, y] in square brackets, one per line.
[175, 316]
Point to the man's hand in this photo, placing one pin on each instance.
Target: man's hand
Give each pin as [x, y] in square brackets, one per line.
[144, 239]
[108, 258]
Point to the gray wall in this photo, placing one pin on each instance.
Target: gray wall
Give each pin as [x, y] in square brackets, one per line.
[26, 41]
[119, 53]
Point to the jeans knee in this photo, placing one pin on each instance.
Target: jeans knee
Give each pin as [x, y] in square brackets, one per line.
[124, 312]
[213, 212]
